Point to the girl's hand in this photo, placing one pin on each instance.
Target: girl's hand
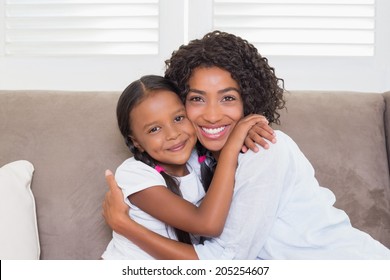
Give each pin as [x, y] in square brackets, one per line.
[247, 132]
[115, 210]
[260, 132]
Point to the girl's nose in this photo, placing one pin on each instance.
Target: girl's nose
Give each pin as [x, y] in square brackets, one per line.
[172, 132]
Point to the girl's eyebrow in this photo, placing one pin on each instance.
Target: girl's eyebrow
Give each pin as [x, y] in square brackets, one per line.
[147, 125]
[221, 91]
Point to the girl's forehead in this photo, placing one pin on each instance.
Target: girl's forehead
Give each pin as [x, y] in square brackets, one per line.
[155, 107]
[161, 93]
[159, 97]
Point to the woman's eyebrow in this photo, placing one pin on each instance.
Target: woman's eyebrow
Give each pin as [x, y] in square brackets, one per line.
[229, 89]
[219, 91]
[196, 91]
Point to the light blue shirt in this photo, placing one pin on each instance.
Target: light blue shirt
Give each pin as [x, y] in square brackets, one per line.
[279, 211]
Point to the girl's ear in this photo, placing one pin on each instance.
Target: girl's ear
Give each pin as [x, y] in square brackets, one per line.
[137, 145]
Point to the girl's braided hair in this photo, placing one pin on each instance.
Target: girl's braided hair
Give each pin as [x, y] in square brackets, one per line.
[129, 99]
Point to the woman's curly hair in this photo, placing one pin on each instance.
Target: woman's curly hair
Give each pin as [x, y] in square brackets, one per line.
[261, 91]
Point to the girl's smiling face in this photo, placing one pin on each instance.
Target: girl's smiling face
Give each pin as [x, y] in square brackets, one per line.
[214, 105]
[160, 127]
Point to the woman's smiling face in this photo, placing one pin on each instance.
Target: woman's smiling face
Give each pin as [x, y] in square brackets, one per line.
[214, 105]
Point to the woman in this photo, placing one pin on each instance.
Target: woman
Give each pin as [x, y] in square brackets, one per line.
[278, 209]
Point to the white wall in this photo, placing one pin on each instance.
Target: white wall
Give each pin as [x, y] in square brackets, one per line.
[370, 74]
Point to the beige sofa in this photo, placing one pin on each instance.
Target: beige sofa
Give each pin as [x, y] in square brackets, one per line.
[72, 137]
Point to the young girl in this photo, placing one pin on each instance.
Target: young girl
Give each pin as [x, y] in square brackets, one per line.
[153, 122]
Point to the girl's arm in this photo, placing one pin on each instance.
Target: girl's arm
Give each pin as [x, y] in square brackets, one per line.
[115, 212]
[258, 134]
[209, 218]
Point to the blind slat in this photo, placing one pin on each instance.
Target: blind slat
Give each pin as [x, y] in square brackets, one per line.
[83, 23]
[299, 1]
[316, 50]
[295, 22]
[69, 10]
[40, 2]
[130, 35]
[63, 48]
[294, 10]
[306, 36]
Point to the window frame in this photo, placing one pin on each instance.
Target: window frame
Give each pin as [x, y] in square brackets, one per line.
[91, 72]
[181, 21]
[352, 73]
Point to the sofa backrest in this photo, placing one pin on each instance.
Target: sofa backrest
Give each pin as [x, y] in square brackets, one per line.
[72, 137]
[343, 136]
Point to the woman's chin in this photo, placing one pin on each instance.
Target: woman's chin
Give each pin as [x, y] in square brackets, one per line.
[213, 145]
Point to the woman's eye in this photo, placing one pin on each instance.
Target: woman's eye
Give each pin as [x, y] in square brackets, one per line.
[195, 99]
[229, 98]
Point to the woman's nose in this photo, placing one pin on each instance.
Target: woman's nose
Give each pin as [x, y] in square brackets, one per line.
[212, 113]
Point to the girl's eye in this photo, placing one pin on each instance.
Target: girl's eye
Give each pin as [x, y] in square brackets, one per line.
[179, 118]
[154, 129]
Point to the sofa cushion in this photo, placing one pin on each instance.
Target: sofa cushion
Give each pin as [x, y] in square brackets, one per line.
[343, 136]
[19, 232]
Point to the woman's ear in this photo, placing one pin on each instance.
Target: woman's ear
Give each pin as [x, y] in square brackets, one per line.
[137, 145]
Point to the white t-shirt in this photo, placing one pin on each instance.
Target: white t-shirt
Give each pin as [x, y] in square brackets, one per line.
[133, 176]
[280, 212]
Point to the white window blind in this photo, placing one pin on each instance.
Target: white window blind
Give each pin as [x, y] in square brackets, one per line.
[301, 27]
[81, 27]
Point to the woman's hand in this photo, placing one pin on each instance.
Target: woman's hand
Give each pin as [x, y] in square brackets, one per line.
[115, 210]
[259, 133]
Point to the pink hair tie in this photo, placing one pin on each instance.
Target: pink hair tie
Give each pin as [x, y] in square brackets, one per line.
[201, 159]
[159, 168]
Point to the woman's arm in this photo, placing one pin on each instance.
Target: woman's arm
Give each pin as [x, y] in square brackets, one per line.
[209, 218]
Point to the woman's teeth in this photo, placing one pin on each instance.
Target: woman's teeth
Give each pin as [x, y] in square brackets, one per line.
[213, 130]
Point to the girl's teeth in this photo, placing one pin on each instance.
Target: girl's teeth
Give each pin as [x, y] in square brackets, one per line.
[213, 130]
